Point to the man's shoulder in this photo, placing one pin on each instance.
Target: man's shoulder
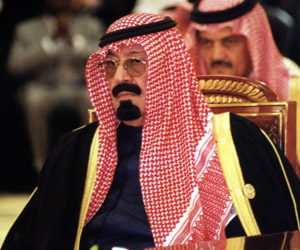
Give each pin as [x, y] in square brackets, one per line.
[71, 150]
[235, 122]
[85, 128]
[293, 67]
[77, 137]
[36, 24]
[294, 71]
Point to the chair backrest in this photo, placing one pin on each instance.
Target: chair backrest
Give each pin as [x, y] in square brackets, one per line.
[92, 116]
[232, 89]
[255, 101]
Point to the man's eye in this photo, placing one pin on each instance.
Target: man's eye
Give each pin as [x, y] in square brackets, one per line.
[205, 42]
[110, 63]
[230, 42]
[133, 61]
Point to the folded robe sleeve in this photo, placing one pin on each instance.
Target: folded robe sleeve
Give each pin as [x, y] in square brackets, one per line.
[50, 219]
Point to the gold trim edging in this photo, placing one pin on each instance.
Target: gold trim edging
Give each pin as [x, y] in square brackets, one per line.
[232, 172]
[89, 186]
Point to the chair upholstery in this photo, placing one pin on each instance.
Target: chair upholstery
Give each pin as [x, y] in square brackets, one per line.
[255, 101]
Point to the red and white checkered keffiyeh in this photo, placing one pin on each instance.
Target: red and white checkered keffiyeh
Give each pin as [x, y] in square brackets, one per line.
[184, 191]
[266, 59]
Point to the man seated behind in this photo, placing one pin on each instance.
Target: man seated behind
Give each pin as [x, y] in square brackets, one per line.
[233, 37]
[157, 169]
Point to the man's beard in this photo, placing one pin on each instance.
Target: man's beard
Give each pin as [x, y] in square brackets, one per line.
[127, 111]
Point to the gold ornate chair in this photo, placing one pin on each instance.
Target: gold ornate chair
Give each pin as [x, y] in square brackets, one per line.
[254, 100]
[231, 89]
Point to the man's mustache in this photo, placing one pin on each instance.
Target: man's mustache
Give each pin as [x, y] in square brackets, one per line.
[128, 87]
[221, 62]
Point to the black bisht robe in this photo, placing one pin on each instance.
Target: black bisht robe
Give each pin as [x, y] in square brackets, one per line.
[50, 219]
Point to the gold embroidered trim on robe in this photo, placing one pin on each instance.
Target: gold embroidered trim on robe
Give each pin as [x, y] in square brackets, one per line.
[89, 186]
[233, 174]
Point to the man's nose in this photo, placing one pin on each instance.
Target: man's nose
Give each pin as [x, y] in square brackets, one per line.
[121, 74]
[218, 52]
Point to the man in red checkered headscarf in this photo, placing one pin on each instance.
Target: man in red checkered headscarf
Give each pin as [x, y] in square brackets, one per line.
[176, 125]
[234, 37]
[148, 173]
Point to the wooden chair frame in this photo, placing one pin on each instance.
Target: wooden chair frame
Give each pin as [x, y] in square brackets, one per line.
[233, 89]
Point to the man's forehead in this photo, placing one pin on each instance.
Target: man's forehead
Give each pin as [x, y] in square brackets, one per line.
[136, 49]
[220, 34]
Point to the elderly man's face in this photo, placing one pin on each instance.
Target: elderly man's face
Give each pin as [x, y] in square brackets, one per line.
[127, 73]
[225, 53]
